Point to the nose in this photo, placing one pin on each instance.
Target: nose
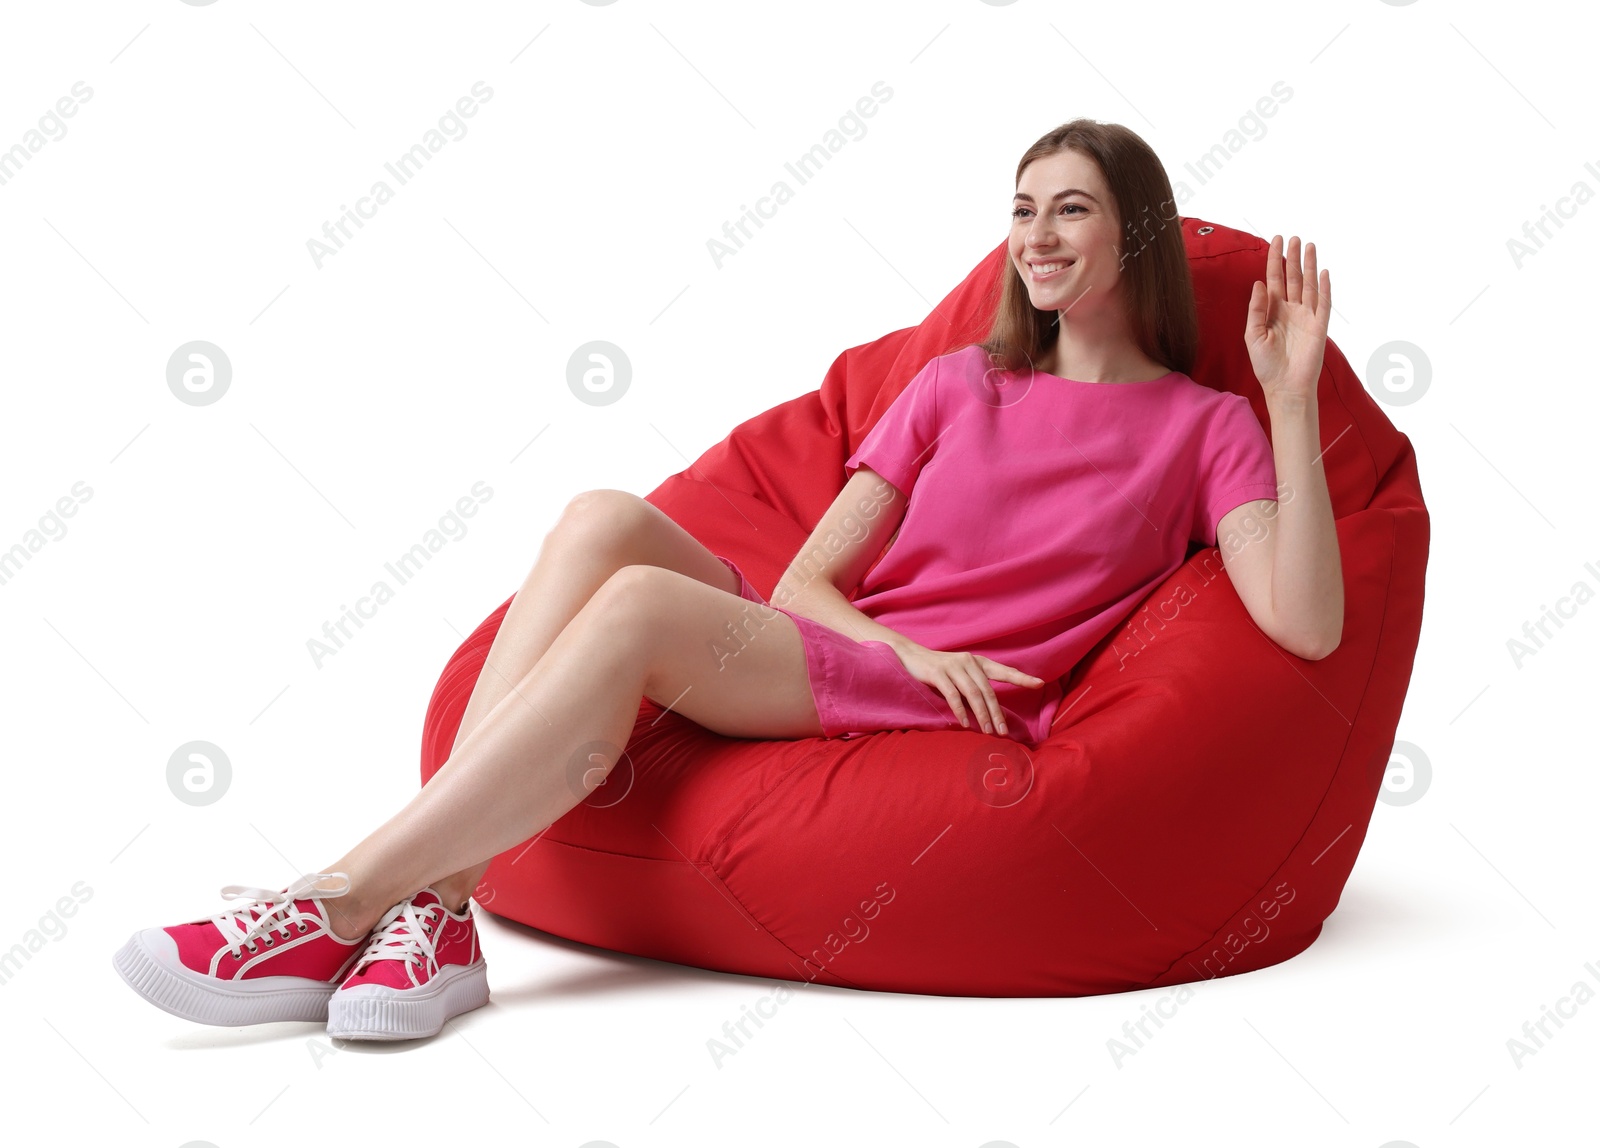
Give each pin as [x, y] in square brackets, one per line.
[1038, 231]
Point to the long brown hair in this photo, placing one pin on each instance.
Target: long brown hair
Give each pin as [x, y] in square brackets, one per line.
[1158, 289]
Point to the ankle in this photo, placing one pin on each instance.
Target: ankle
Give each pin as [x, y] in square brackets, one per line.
[453, 893]
[351, 917]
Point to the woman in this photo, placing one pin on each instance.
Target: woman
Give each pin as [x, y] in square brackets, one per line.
[1037, 486]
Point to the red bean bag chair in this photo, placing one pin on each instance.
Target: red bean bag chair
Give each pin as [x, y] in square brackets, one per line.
[1194, 813]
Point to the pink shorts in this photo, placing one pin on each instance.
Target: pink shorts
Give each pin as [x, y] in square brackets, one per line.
[862, 687]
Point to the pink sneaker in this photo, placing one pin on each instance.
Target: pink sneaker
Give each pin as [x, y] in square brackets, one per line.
[276, 958]
[422, 968]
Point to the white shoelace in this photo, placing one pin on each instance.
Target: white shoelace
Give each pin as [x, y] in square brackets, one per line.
[271, 909]
[399, 936]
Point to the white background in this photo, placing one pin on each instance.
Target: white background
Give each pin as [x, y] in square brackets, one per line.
[370, 394]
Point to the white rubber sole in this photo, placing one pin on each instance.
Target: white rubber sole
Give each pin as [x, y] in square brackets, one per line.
[181, 991]
[375, 1012]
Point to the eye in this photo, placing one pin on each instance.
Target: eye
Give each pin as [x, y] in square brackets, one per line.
[1016, 212]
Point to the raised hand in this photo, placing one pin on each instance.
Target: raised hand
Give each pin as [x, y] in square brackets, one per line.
[1286, 329]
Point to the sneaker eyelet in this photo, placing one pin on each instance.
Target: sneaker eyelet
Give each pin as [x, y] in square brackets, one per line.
[304, 926]
[251, 947]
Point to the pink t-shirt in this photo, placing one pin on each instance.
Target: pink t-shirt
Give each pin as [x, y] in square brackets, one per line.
[1042, 511]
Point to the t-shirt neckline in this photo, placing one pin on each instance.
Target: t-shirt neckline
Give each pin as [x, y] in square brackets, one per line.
[1086, 383]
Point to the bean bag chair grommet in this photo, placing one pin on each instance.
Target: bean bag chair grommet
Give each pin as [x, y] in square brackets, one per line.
[1194, 813]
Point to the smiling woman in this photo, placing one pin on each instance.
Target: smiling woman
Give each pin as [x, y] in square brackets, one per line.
[1038, 485]
[1077, 309]
[1209, 778]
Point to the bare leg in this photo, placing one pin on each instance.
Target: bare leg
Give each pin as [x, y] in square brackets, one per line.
[647, 632]
[599, 533]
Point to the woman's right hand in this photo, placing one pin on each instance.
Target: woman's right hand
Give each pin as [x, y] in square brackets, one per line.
[964, 677]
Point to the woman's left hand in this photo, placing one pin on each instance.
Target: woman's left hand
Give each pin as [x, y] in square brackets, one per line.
[1287, 326]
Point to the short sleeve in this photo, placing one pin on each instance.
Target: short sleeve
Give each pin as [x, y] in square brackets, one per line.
[1236, 466]
[903, 439]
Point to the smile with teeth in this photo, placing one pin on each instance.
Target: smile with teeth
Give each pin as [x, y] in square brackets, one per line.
[1043, 271]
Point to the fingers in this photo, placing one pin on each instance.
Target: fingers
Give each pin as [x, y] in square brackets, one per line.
[1293, 286]
[982, 670]
[1008, 673]
[984, 704]
[964, 680]
[953, 697]
[1287, 280]
[1255, 318]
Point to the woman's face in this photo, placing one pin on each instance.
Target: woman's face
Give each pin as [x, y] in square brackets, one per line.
[1066, 247]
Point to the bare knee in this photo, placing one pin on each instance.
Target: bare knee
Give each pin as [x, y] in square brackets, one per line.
[605, 505]
[601, 516]
[635, 593]
[630, 604]
[628, 598]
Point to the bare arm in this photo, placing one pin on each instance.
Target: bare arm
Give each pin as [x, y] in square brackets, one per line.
[846, 541]
[1283, 556]
[1292, 583]
[832, 561]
